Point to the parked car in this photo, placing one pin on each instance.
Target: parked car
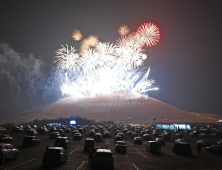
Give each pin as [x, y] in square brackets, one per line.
[183, 148]
[42, 130]
[54, 155]
[161, 141]
[138, 140]
[98, 137]
[55, 135]
[219, 143]
[67, 130]
[106, 134]
[5, 138]
[204, 143]
[103, 158]
[134, 134]
[77, 136]
[155, 133]
[53, 129]
[32, 132]
[216, 149]
[30, 141]
[121, 146]
[146, 137]
[202, 135]
[80, 130]
[64, 142]
[121, 134]
[193, 134]
[17, 129]
[153, 146]
[7, 151]
[91, 132]
[74, 131]
[61, 131]
[118, 138]
[2, 129]
[180, 140]
[89, 143]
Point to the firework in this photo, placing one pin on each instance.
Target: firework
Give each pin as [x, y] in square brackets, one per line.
[77, 35]
[67, 58]
[105, 68]
[149, 34]
[123, 30]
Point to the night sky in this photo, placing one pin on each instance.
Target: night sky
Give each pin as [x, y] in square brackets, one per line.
[186, 64]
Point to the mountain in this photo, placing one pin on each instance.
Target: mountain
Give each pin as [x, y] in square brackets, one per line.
[122, 107]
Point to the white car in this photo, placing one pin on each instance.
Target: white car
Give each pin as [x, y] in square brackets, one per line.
[121, 146]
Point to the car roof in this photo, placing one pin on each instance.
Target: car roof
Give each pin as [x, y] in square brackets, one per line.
[3, 144]
[59, 148]
[104, 150]
[120, 142]
[89, 139]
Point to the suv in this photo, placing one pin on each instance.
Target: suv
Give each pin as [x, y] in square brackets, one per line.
[89, 143]
[64, 142]
[182, 147]
[153, 146]
[7, 151]
[54, 155]
[30, 140]
[103, 157]
[5, 138]
[121, 146]
[98, 137]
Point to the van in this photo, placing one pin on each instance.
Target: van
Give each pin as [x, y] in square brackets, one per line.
[89, 143]
[153, 146]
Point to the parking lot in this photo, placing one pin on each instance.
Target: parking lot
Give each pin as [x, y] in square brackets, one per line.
[136, 157]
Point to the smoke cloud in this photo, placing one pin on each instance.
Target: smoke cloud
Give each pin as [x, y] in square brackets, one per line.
[25, 76]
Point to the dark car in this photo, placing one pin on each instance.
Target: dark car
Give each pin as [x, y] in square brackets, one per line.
[89, 143]
[106, 134]
[30, 141]
[17, 129]
[5, 138]
[134, 134]
[67, 130]
[146, 137]
[77, 136]
[216, 149]
[55, 135]
[118, 138]
[204, 143]
[42, 130]
[183, 148]
[98, 137]
[64, 142]
[61, 131]
[92, 132]
[138, 140]
[103, 158]
[161, 141]
[153, 146]
[54, 155]
[7, 151]
[74, 131]
[80, 130]
[121, 134]
[32, 132]
[121, 146]
[53, 129]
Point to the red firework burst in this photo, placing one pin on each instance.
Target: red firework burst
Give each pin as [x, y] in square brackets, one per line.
[149, 33]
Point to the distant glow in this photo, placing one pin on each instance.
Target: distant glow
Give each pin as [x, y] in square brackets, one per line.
[72, 122]
[106, 68]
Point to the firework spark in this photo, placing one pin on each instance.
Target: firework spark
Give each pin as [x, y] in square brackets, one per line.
[77, 35]
[123, 30]
[104, 68]
[149, 33]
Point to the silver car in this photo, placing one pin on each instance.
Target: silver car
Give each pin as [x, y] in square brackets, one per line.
[7, 151]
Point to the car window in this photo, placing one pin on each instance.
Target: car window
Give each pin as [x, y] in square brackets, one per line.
[10, 147]
[6, 147]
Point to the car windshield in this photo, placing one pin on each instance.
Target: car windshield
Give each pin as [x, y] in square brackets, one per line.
[121, 143]
[154, 143]
[53, 151]
[103, 154]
